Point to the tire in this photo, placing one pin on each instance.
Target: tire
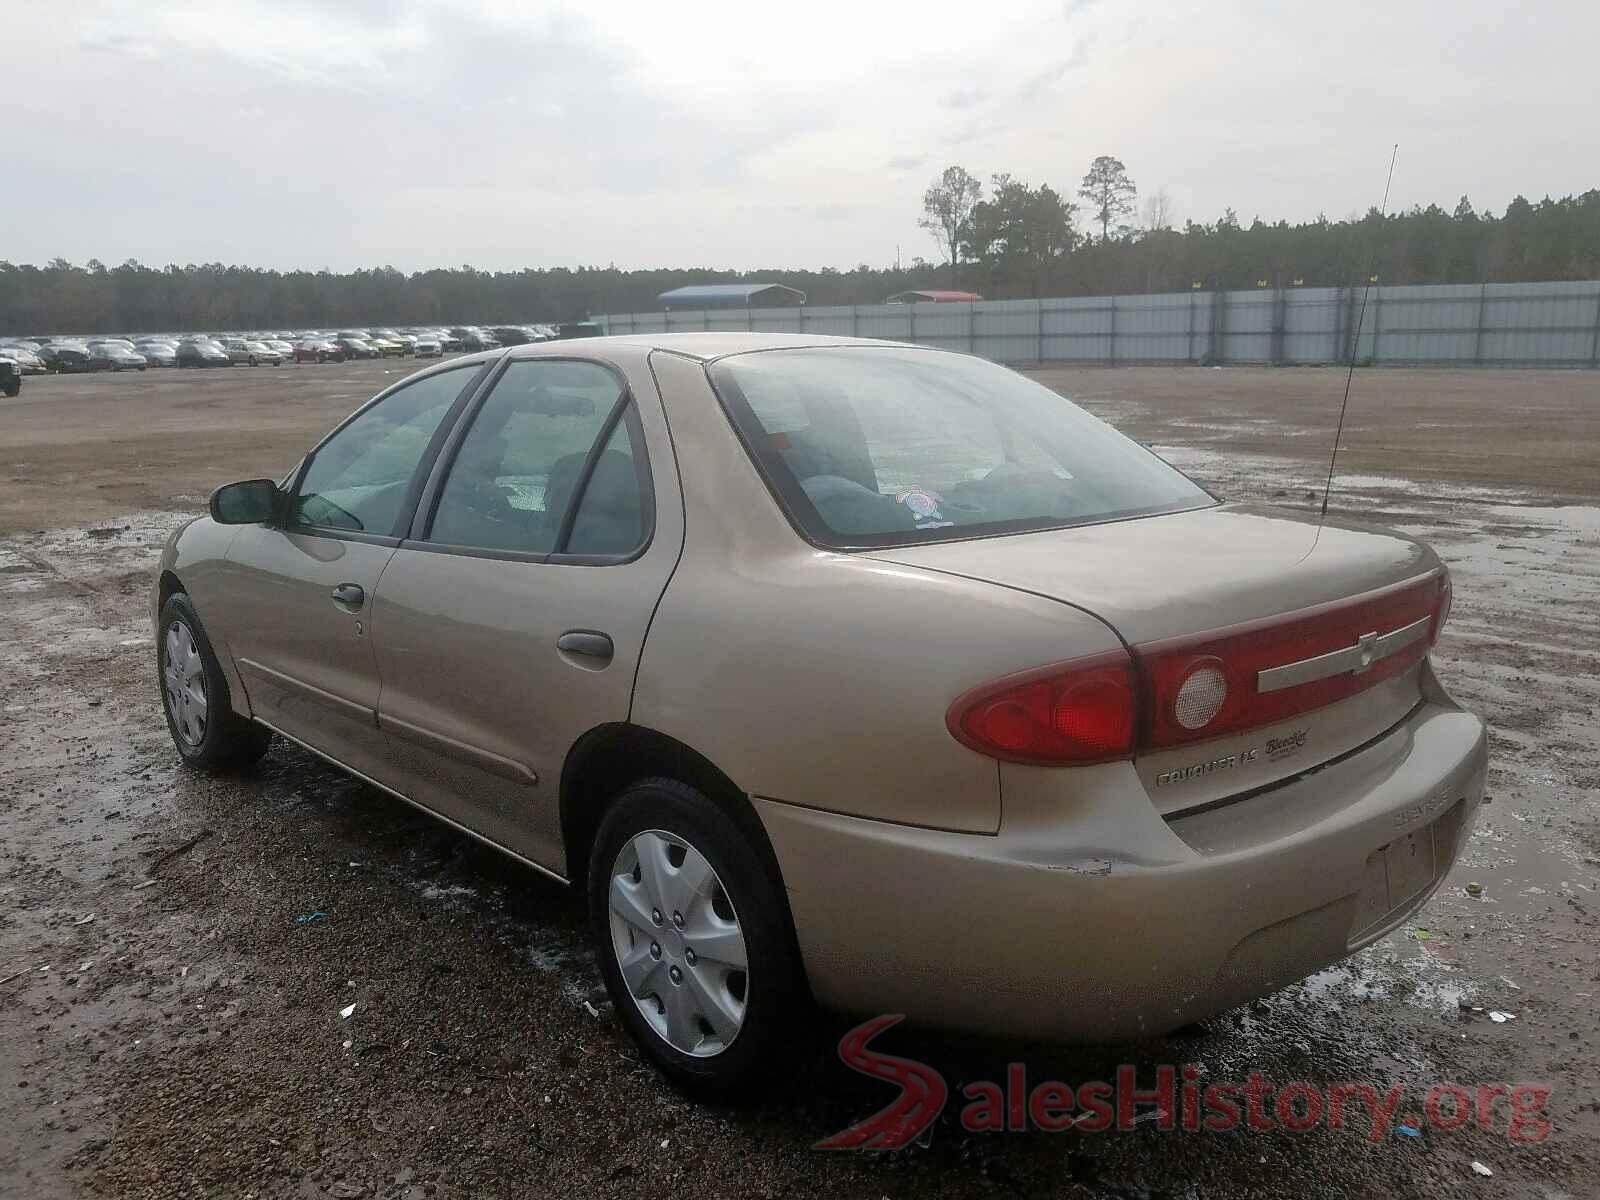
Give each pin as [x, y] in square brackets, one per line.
[216, 738]
[252, 360]
[760, 1004]
[14, 388]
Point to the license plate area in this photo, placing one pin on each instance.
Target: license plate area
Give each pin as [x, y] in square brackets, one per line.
[1396, 874]
[1409, 863]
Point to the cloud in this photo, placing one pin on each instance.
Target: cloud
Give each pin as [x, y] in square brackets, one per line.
[418, 132]
[331, 48]
[964, 97]
[1042, 81]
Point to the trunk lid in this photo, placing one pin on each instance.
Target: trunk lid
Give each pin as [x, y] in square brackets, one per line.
[1169, 585]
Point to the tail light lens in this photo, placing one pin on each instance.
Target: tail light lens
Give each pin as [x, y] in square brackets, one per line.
[1195, 688]
[1069, 714]
[1447, 593]
[1240, 654]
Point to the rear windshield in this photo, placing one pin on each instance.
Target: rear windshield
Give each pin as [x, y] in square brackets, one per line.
[889, 447]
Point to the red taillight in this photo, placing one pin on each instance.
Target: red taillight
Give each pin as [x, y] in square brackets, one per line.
[1190, 689]
[1069, 714]
[1442, 614]
[1242, 654]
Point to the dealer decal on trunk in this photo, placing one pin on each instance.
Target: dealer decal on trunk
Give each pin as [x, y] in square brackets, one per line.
[1287, 746]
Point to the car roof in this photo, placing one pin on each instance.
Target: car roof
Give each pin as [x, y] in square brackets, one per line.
[702, 347]
[707, 347]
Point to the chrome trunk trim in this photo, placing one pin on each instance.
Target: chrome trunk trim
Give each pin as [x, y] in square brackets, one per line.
[1369, 649]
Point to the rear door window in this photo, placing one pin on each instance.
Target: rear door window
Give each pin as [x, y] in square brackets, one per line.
[552, 433]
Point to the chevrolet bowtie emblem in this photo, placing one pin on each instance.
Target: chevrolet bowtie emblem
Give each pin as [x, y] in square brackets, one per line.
[1367, 644]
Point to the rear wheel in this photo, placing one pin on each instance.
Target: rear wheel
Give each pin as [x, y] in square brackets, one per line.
[693, 938]
[194, 695]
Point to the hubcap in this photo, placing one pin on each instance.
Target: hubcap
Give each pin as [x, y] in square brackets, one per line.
[688, 976]
[185, 679]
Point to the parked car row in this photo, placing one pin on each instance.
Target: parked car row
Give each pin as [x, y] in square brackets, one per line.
[32, 356]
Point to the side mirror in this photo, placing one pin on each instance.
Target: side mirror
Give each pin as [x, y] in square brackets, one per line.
[248, 503]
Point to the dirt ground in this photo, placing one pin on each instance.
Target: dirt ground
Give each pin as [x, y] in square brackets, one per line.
[1507, 429]
[183, 1037]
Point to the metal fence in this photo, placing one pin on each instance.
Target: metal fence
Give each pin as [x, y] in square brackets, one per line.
[1491, 325]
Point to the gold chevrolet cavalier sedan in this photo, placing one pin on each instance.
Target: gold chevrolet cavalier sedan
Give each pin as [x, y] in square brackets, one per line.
[841, 670]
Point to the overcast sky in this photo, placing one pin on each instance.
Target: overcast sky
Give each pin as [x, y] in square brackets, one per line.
[738, 133]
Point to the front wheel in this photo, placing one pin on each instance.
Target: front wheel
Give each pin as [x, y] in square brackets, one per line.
[693, 938]
[194, 695]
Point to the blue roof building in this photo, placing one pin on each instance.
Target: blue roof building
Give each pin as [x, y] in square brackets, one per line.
[732, 295]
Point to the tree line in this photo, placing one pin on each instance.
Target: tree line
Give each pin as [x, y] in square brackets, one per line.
[1008, 239]
[1024, 241]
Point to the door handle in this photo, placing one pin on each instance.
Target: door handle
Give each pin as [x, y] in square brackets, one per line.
[587, 643]
[349, 596]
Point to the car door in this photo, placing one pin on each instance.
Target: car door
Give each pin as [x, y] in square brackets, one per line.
[512, 621]
[297, 595]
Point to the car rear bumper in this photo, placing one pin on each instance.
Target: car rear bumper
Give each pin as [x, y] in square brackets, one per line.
[1088, 917]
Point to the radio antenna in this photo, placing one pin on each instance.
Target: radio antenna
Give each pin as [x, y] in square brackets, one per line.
[1355, 342]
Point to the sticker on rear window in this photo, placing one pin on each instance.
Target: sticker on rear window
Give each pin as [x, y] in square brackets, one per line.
[924, 506]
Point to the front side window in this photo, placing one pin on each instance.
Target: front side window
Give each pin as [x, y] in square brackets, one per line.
[359, 478]
[880, 447]
[528, 455]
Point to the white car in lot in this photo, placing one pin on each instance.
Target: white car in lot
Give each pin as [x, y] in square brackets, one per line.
[252, 354]
[25, 356]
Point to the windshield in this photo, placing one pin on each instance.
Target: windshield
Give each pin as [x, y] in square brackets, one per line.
[878, 447]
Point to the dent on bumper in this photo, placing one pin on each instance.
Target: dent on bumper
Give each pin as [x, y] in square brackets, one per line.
[1088, 917]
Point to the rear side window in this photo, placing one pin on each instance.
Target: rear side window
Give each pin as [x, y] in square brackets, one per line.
[610, 516]
[882, 447]
[552, 434]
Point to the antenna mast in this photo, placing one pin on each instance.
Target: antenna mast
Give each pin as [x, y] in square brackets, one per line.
[1355, 342]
